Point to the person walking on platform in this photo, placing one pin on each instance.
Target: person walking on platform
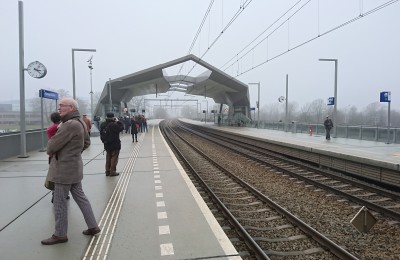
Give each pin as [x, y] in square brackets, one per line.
[134, 129]
[127, 124]
[145, 124]
[109, 134]
[328, 126]
[87, 122]
[66, 171]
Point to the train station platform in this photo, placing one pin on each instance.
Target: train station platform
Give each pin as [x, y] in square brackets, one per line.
[373, 153]
[151, 211]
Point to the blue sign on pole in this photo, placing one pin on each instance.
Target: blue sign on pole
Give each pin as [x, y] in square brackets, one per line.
[385, 96]
[331, 101]
[48, 94]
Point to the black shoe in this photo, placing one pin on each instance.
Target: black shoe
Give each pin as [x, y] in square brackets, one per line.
[67, 197]
[54, 240]
[113, 175]
[91, 231]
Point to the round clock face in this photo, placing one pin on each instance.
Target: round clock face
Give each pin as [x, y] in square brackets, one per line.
[36, 69]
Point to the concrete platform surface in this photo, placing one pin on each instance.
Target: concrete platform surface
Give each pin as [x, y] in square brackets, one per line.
[151, 211]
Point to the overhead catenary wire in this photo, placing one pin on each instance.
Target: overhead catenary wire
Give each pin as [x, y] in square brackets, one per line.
[246, 3]
[269, 27]
[300, 44]
[242, 6]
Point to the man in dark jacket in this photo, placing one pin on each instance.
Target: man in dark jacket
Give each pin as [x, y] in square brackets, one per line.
[328, 126]
[112, 144]
[66, 170]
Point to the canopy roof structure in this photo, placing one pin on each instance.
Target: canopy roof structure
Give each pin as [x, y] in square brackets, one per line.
[212, 83]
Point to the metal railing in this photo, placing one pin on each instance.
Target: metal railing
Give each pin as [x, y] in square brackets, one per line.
[361, 132]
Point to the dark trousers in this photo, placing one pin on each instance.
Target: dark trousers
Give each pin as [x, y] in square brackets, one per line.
[111, 162]
[328, 133]
[134, 137]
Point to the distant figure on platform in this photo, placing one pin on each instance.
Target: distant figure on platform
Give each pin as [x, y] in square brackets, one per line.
[127, 124]
[66, 171]
[109, 135]
[96, 120]
[134, 129]
[145, 124]
[87, 122]
[219, 120]
[328, 126]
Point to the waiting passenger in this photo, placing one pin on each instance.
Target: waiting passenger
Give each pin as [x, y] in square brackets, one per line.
[328, 126]
[109, 135]
[66, 171]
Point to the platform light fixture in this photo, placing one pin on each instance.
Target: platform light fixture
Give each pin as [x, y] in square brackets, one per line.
[73, 68]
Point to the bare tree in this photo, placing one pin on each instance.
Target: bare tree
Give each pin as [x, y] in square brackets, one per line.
[317, 110]
[374, 114]
[270, 113]
[304, 113]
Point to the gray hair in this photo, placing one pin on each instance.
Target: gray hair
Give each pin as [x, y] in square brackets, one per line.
[70, 101]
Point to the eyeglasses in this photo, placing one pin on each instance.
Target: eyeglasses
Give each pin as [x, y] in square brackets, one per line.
[64, 105]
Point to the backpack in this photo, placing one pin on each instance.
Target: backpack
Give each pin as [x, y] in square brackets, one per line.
[105, 135]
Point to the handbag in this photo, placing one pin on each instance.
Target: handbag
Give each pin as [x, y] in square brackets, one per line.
[48, 184]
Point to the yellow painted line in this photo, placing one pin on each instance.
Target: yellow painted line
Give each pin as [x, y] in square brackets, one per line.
[396, 154]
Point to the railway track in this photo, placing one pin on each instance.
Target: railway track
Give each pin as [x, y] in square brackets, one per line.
[374, 198]
[267, 228]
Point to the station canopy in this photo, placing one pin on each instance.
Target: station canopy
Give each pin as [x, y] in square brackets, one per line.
[213, 83]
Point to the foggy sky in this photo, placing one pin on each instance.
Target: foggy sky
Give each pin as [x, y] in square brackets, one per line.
[130, 36]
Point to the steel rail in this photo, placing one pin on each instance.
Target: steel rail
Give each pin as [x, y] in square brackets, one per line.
[260, 254]
[321, 239]
[385, 211]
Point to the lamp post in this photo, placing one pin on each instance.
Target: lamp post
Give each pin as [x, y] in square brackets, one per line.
[109, 92]
[335, 94]
[91, 90]
[258, 104]
[73, 68]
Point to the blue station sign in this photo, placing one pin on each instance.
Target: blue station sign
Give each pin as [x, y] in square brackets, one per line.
[385, 96]
[331, 101]
[48, 94]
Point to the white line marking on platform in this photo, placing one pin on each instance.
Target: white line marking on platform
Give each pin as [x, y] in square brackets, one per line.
[157, 181]
[162, 215]
[155, 172]
[160, 204]
[158, 187]
[156, 176]
[223, 240]
[167, 249]
[159, 195]
[163, 230]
